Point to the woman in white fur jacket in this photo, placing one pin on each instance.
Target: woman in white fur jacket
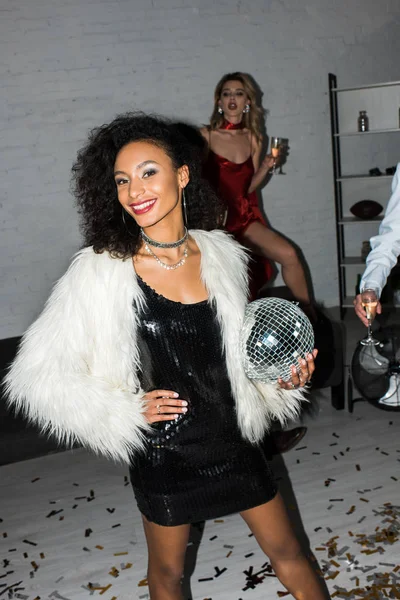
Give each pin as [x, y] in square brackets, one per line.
[135, 355]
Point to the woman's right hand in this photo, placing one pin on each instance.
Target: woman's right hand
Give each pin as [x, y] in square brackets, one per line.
[163, 405]
[360, 310]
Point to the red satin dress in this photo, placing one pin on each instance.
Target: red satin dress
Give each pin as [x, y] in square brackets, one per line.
[231, 182]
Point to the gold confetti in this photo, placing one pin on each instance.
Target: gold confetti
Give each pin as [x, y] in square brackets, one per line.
[333, 575]
[105, 589]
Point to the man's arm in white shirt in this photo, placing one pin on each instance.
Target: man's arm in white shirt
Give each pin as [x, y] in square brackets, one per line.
[386, 245]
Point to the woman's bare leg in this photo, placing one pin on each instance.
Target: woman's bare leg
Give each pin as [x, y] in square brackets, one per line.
[272, 529]
[270, 244]
[166, 549]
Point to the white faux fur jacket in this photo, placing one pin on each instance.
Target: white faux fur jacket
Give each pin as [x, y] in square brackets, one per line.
[76, 372]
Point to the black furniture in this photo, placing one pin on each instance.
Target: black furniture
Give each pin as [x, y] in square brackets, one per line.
[18, 439]
[355, 176]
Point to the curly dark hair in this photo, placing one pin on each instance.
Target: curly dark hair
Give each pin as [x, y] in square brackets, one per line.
[95, 191]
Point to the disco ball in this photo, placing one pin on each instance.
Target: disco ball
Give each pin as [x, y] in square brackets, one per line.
[275, 334]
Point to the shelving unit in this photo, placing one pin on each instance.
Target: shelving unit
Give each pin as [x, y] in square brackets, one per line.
[355, 177]
[393, 130]
[354, 154]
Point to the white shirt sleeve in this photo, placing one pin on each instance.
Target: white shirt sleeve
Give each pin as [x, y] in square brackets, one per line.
[386, 245]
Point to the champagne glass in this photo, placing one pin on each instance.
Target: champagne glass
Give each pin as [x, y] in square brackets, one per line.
[275, 147]
[369, 300]
[283, 150]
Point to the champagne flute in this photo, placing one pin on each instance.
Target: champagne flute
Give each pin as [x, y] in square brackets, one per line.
[283, 149]
[275, 147]
[369, 300]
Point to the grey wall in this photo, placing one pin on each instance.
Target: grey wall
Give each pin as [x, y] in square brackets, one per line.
[68, 65]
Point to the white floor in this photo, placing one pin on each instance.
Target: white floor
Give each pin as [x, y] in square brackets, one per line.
[69, 528]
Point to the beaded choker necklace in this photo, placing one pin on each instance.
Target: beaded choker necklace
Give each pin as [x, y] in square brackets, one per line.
[148, 241]
[156, 244]
[227, 125]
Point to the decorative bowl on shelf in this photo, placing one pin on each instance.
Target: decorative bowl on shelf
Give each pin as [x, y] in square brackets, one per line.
[366, 209]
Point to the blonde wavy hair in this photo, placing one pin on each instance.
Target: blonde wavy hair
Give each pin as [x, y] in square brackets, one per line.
[253, 120]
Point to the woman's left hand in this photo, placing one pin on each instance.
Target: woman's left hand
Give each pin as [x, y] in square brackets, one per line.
[302, 374]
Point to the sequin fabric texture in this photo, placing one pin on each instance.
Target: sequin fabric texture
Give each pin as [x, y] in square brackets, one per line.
[198, 466]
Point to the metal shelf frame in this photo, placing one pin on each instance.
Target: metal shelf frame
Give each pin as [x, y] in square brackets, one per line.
[344, 221]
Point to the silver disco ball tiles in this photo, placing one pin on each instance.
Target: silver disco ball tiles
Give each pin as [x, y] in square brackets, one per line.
[275, 334]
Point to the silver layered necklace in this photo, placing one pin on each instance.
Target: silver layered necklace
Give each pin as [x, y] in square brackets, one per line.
[148, 241]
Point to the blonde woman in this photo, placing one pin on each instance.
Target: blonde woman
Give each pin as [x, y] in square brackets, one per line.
[235, 170]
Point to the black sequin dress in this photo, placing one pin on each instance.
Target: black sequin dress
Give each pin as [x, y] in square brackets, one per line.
[199, 466]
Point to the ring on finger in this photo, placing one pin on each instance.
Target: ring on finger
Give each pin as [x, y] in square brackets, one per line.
[293, 385]
[159, 409]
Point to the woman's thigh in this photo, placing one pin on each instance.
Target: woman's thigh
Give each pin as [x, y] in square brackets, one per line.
[267, 242]
[166, 545]
[272, 529]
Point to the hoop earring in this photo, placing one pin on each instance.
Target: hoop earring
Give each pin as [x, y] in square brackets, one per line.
[184, 209]
[221, 112]
[125, 225]
[246, 109]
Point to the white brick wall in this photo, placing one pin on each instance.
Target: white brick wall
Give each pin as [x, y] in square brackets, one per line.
[68, 65]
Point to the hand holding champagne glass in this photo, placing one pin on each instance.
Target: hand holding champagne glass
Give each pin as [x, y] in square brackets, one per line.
[369, 300]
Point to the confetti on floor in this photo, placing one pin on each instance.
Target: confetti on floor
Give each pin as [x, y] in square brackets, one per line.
[77, 533]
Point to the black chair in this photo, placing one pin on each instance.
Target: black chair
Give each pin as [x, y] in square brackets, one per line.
[18, 439]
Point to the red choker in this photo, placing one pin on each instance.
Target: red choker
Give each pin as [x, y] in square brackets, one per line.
[227, 125]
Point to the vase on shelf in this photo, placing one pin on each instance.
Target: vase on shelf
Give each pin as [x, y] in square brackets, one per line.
[363, 121]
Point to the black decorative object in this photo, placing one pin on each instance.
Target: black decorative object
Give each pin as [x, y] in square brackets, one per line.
[366, 209]
[375, 172]
[390, 170]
